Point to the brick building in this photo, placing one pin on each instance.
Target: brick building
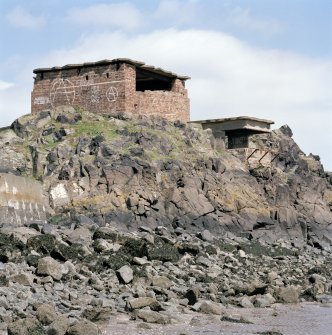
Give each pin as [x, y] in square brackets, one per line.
[112, 85]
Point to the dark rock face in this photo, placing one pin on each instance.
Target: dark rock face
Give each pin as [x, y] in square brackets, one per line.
[130, 172]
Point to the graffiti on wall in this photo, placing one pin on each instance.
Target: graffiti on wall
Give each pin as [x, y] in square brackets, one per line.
[94, 94]
[62, 88]
[41, 101]
[64, 91]
[112, 94]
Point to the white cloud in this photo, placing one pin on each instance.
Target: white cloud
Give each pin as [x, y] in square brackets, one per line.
[4, 85]
[176, 11]
[243, 18]
[19, 17]
[120, 15]
[228, 78]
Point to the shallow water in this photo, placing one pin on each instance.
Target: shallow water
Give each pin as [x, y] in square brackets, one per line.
[299, 319]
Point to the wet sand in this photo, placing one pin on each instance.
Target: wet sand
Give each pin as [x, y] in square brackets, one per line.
[297, 319]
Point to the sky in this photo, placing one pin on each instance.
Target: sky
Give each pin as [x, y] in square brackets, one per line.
[264, 58]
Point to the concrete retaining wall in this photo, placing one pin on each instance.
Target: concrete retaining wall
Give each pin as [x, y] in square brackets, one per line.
[21, 200]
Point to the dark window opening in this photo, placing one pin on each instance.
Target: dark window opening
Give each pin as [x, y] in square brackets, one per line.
[42, 75]
[238, 139]
[78, 72]
[118, 66]
[87, 77]
[107, 75]
[150, 81]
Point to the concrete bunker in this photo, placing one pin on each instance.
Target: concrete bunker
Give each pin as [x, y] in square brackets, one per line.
[235, 132]
[118, 85]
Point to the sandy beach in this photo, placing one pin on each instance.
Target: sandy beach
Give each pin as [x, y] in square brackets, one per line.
[297, 319]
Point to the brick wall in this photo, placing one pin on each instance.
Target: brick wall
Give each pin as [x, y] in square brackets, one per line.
[98, 89]
[106, 89]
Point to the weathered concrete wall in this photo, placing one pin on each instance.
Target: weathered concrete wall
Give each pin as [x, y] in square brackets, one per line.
[21, 200]
[106, 89]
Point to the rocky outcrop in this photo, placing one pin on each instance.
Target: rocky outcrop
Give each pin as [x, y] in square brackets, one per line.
[146, 217]
[128, 172]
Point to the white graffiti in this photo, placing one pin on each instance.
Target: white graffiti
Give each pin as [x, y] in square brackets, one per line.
[95, 96]
[112, 94]
[62, 88]
[63, 91]
[41, 101]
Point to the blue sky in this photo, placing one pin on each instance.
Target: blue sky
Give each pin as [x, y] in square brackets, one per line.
[265, 58]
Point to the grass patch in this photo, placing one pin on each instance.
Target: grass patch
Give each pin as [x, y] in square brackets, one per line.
[94, 128]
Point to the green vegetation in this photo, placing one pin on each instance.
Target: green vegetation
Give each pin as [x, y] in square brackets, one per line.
[95, 128]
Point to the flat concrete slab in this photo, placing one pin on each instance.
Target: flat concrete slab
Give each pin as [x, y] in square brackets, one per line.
[251, 124]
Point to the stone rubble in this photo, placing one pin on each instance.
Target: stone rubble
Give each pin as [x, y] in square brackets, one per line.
[48, 289]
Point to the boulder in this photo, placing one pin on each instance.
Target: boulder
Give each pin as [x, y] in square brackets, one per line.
[161, 282]
[209, 307]
[245, 302]
[152, 317]
[59, 326]
[206, 235]
[25, 326]
[25, 279]
[141, 302]
[126, 274]
[83, 327]
[193, 295]
[80, 235]
[46, 314]
[289, 294]
[50, 267]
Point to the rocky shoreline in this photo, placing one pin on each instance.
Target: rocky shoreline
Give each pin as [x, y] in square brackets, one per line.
[60, 280]
[151, 219]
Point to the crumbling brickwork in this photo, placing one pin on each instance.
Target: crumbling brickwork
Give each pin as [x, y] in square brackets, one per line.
[112, 86]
